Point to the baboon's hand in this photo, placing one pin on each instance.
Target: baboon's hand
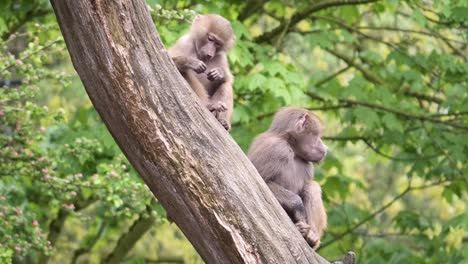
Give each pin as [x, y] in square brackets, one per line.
[224, 123]
[197, 65]
[215, 74]
[217, 107]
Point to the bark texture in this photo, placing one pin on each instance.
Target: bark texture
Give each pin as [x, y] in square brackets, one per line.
[190, 163]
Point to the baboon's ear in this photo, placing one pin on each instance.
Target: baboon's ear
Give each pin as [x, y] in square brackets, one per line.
[301, 123]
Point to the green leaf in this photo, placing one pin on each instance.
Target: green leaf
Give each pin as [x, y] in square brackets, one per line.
[379, 7]
[407, 220]
[275, 69]
[419, 17]
[460, 13]
[339, 184]
[357, 88]
[283, 94]
[294, 77]
[321, 39]
[240, 30]
[274, 84]
[349, 13]
[346, 36]
[256, 81]
[3, 25]
[371, 56]
[392, 123]
[367, 116]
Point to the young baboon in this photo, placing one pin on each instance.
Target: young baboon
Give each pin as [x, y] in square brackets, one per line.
[283, 156]
[201, 57]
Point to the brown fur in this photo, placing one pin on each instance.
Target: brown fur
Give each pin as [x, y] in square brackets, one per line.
[283, 156]
[201, 57]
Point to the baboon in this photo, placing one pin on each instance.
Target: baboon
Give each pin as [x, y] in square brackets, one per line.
[201, 57]
[283, 156]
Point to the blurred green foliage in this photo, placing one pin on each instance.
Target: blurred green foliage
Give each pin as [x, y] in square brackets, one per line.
[389, 78]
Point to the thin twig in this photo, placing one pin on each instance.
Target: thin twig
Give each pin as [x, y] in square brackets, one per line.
[33, 53]
[420, 32]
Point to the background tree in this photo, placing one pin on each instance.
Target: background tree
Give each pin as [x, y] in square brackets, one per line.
[389, 78]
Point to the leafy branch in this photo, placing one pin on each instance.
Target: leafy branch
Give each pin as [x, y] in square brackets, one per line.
[306, 12]
[371, 216]
[30, 15]
[57, 224]
[403, 114]
[412, 31]
[32, 53]
[379, 152]
[250, 7]
[370, 76]
[318, 108]
[128, 240]
[87, 248]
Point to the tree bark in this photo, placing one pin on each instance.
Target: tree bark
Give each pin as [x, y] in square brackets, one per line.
[190, 163]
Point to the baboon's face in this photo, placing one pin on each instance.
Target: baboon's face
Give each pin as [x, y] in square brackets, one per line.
[208, 46]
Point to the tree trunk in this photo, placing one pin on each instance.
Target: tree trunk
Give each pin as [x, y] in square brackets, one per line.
[190, 163]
